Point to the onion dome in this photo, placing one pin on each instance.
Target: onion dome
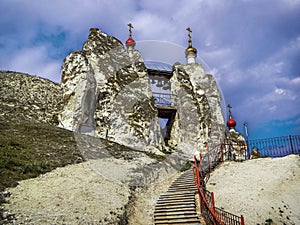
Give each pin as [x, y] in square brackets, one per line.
[190, 50]
[130, 43]
[231, 123]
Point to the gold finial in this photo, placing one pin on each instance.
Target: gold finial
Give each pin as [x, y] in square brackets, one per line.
[130, 29]
[189, 36]
[190, 52]
[229, 107]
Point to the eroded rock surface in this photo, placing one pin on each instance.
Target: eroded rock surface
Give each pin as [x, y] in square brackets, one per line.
[236, 146]
[107, 94]
[23, 96]
[200, 119]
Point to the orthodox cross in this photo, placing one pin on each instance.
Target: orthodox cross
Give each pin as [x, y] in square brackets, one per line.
[130, 29]
[229, 107]
[189, 35]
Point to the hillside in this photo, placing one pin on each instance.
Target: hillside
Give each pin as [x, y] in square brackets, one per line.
[112, 186]
[26, 97]
[34, 151]
[265, 191]
[29, 144]
[51, 175]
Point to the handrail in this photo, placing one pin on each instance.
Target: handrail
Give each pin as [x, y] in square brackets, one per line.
[229, 218]
[214, 156]
[211, 214]
[164, 99]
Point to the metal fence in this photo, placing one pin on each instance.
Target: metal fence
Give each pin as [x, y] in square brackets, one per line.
[205, 164]
[229, 218]
[164, 99]
[202, 169]
[276, 147]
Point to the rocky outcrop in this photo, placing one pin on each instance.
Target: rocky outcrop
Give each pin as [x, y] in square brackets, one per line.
[255, 154]
[25, 97]
[199, 120]
[107, 94]
[236, 146]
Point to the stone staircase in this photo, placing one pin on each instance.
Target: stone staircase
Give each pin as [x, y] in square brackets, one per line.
[177, 206]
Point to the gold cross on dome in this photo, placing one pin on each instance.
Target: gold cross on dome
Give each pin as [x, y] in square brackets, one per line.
[130, 29]
[189, 36]
[189, 32]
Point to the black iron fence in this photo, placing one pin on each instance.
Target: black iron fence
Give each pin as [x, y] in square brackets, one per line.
[276, 147]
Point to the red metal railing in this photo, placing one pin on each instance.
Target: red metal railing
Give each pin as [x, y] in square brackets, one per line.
[202, 169]
[229, 218]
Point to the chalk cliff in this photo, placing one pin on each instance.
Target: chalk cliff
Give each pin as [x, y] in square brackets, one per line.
[107, 93]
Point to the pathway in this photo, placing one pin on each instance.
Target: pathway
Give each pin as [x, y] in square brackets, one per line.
[178, 206]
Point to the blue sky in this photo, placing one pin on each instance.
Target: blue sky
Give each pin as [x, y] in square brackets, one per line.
[251, 46]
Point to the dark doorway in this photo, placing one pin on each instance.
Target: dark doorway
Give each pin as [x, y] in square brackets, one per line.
[166, 116]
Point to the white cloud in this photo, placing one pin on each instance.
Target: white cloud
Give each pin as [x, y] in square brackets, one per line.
[280, 91]
[273, 108]
[35, 61]
[296, 81]
[151, 26]
[252, 46]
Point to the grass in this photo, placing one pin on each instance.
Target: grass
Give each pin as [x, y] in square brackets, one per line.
[30, 149]
[188, 165]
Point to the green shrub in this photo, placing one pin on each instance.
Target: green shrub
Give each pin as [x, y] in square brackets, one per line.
[187, 166]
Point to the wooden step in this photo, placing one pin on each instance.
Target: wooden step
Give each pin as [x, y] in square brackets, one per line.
[165, 206]
[190, 202]
[177, 217]
[178, 209]
[181, 189]
[172, 204]
[189, 212]
[176, 197]
[179, 221]
[178, 206]
[181, 193]
[162, 201]
[183, 184]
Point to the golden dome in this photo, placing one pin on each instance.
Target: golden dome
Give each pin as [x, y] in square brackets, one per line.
[190, 49]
